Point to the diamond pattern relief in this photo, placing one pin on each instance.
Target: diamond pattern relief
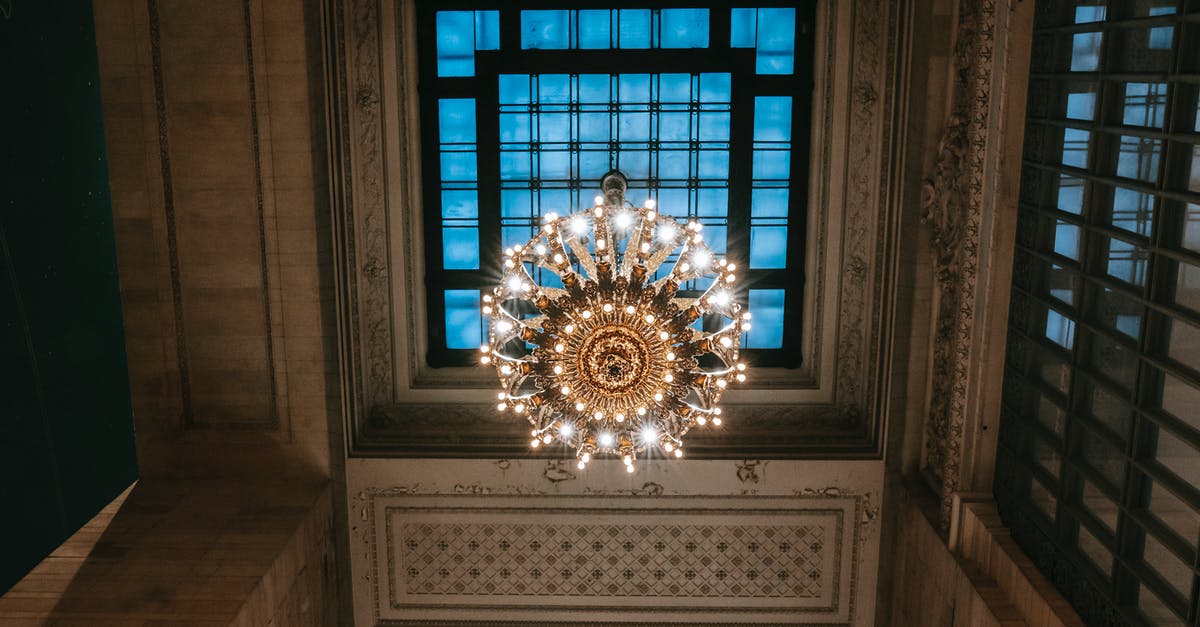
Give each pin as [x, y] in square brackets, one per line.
[613, 560]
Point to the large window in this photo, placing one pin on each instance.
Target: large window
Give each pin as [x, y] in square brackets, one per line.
[1098, 471]
[704, 107]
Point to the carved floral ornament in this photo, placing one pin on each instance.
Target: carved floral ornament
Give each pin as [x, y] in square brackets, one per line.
[610, 363]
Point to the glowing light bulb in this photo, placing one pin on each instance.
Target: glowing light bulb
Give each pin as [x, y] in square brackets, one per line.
[501, 406]
[663, 335]
[504, 326]
[746, 326]
[721, 298]
[619, 417]
[587, 457]
[629, 309]
[668, 447]
[726, 342]
[670, 356]
[600, 244]
[598, 211]
[678, 452]
[566, 431]
[741, 366]
[484, 348]
[746, 315]
[569, 329]
[702, 259]
[546, 439]
[650, 318]
[721, 383]
[606, 439]
[566, 390]
[581, 465]
[487, 310]
[485, 360]
[578, 226]
[598, 200]
[650, 204]
[541, 250]
[551, 217]
[624, 220]
[598, 416]
[668, 377]
[558, 369]
[717, 421]
[740, 377]
[587, 313]
[560, 347]
[506, 369]
[629, 469]
[508, 263]
[645, 247]
[514, 284]
[580, 407]
[558, 258]
[730, 278]
[519, 408]
[649, 435]
[667, 232]
[641, 411]
[627, 459]
[535, 443]
[658, 396]
[701, 421]
[607, 307]
[501, 396]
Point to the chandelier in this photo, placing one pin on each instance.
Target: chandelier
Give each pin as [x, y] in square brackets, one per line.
[613, 362]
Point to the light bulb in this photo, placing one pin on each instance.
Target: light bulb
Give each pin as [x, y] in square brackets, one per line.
[649, 435]
[624, 220]
[645, 247]
[629, 309]
[721, 298]
[668, 377]
[519, 408]
[629, 469]
[741, 366]
[598, 200]
[484, 348]
[746, 326]
[598, 415]
[730, 278]
[551, 217]
[558, 258]
[509, 263]
[587, 457]
[569, 329]
[581, 465]
[678, 452]
[726, 342]
[701, 421]
[668, 447]
[721, 383]
[501, 406]
[580, 407]
[650, 204]
[587, 313]
[627, 459]
[641, 411]
[487, 310]
[746, 316]
[514, 284]
[670, 356]
[731, 267]
[485, 360]
[598, 211]
[506, 369]
[702, 259]
[558, 369]
[607, 307]
[619, 417]
[599, 244]
[578, 226]
[663, 335]
[566, 431]
[667, 232]
[541, 250]
[504, 326]
[606, 439]
[566, 390]
[650, 318]
[658, 397]
[741, 377]
[717, 421]
[535, 443]
[560, 347]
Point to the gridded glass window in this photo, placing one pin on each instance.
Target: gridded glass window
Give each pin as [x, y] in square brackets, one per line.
[704, 108]
[1100, 435]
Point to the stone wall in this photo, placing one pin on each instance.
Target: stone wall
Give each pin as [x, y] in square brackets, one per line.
[209, 118]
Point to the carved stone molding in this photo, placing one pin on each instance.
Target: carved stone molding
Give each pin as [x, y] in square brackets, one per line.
[386, 387]
[959, 203]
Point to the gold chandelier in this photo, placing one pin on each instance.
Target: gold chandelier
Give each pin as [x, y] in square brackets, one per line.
[611, 363]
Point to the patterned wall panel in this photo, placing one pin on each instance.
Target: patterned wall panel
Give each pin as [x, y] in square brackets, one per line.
[664, 559]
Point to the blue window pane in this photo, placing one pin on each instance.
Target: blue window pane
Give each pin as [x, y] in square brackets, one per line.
[634, 126]
[674, 88]
[1131, 211]
[768, 247]
[634, 28]
[766, 306]
[460, 248]
[673, 164]
[776, 43]
[1075, 143]
[515, 165]
[487, 30]
[1126, 262]
[769, 203]
[460, 204]
[594, 127]
[554, 127]
[712, 202]
[514, 89]
[514, 127]
[716, 237]
[1160, 37]
[741, 28]
[555, 165]
[545, 30]
[514, 235]
[714, 127]
[463, 321]
[715, 88]
[1060, 329]
[773, 118]
[1089, 14]
[1138, 158]
[556, 200]
[456, 120]
[458, 166]
[1070, 194]
[674, 127]
[594, 88]
[515, 203]
[714, 164]
[1066, 240]
[593, 164]
[684, 28]
[673, 202]
[772, 164]
[1081, 105]
[1085, 52]
[635, 163]
[595, 30]
[634, 88]
[554, 89]
[456, 43]
[1145, 104]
